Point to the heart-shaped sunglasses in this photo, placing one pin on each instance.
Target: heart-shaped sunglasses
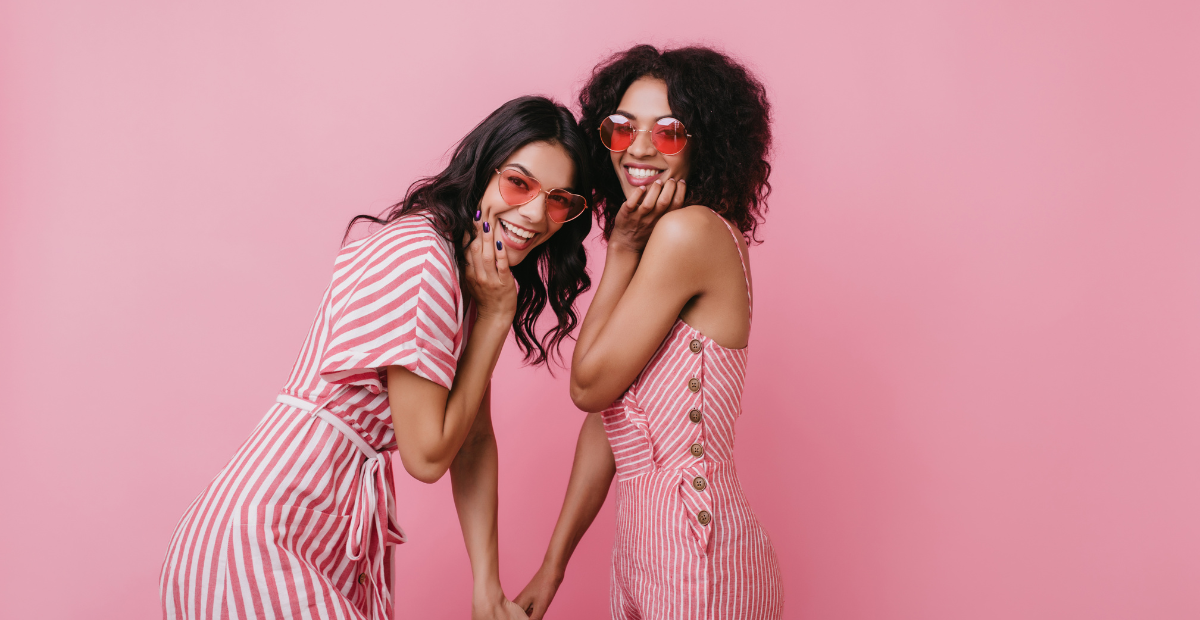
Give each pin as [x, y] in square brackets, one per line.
[518, 188]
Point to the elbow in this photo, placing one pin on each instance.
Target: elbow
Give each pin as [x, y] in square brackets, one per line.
[587, 399]
[425, 470]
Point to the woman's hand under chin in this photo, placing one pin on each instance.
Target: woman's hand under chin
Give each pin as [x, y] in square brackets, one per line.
[489, 279]
[636, 218]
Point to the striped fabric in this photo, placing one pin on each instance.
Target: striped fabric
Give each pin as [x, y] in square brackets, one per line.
[687, 545]
[299, 524]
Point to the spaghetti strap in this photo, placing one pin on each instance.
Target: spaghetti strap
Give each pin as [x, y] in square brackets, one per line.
[745, 272]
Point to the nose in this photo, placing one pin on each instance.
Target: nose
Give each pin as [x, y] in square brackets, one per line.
[642, 145]
[534, 210]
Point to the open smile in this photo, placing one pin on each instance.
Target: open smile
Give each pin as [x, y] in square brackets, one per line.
[518, 238]
[638, 175]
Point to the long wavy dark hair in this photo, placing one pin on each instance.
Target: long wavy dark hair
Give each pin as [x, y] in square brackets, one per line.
[555, 271]
[724, 108]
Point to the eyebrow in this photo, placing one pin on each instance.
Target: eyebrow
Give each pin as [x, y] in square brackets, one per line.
[634, 118]
[529, 174]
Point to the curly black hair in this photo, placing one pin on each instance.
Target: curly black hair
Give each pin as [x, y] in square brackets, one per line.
[555, 271]
[724, 108]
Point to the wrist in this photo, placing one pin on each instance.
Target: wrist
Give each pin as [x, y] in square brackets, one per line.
[622, 247]
[554, 567]
[487, 592]
[499, 321]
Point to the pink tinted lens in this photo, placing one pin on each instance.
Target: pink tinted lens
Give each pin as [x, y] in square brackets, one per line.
[563, 206]
[616, 132]
[669, 136]
[517, 189]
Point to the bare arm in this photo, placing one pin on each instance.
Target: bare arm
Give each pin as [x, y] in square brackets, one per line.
[671, 273]
[635, 222]
[431, 422]
[473, 476]
[591, 477]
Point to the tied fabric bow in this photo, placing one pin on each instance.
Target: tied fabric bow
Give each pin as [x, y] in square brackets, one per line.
[372, 528]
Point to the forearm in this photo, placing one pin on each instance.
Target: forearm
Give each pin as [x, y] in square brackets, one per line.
[619, 266]
[473, 479]
[591, 477]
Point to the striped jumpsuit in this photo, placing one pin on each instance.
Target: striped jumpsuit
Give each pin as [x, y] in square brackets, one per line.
[688, 545]
[301, 522]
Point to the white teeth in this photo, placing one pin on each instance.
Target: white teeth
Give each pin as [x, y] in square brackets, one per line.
[642, 173]
[516, 232]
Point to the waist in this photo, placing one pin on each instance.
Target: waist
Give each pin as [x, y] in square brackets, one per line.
[337, 423]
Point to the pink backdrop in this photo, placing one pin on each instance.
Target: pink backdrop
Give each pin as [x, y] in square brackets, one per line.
[973, 389]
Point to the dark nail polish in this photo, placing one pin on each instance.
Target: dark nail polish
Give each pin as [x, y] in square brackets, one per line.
[478, 214]
[499, 246]
[486, 228]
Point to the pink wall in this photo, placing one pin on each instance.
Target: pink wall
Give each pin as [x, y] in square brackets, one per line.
[973, 386]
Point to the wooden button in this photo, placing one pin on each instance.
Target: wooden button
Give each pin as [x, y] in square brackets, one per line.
[695, 416]
[697, 450]
[695, 345]
[704, 518]
[362, 577]
[694, 384]
[699, 483]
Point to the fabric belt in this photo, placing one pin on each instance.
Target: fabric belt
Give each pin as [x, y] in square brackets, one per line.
[373, 514]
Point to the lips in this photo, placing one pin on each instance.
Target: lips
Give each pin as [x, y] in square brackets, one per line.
[518, 238]
[638, 176]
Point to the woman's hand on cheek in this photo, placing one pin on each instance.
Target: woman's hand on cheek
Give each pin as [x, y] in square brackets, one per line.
[641, 211]
[489, 280]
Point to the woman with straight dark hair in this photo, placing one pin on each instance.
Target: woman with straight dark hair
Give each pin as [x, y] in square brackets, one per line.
[301, 521]
[680, 139]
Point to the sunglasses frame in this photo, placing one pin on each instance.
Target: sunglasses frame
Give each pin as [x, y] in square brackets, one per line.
[542, 190]
[650, 131]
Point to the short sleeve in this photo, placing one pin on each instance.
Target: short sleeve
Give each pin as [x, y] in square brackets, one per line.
[395, 301]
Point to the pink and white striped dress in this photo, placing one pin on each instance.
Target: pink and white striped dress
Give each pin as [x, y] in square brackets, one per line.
[688, 546]
[300, 523]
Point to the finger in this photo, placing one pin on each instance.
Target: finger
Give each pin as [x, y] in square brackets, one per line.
[635, 199]
[474, 252]
[487, 256]
[651, 197]
[502, 261]
[666, 196]
[677, 199]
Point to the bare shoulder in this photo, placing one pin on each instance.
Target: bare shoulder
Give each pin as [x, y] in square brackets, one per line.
[686, 231]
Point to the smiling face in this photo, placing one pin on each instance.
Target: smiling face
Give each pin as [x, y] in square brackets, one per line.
[527, 226]
[644, 102]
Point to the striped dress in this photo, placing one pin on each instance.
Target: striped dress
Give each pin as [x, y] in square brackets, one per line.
[300, 523]
[688, 546]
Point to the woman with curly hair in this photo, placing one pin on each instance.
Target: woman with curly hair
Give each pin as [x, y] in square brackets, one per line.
[301, 522]
[661, 356]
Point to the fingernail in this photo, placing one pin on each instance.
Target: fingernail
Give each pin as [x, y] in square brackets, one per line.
[682, 181]
[499, 246]
[658, 181]
[486, 228]
[671, 179]
[478, 214]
